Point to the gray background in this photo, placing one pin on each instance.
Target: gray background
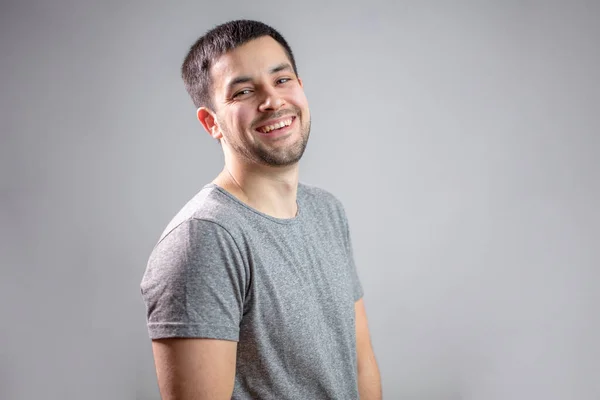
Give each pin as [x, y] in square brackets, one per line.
[463, 139]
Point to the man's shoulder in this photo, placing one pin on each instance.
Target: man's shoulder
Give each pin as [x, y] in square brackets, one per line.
[320, 200]
[316, 193]
[209, 205]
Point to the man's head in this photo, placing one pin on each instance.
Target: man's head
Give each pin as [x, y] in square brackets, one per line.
[242, 76]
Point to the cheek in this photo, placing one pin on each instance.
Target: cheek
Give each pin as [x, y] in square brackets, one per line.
[299, 98]
[244, 117]
[236, 120]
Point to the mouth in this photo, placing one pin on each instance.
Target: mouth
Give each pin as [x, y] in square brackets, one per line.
[277, 128]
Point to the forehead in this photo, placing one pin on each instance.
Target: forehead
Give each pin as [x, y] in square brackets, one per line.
[250, 59]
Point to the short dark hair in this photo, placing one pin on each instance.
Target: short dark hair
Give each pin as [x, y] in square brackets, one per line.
[195, 70]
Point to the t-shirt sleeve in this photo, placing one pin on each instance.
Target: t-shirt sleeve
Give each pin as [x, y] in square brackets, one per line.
[195, 283]
[357, 289]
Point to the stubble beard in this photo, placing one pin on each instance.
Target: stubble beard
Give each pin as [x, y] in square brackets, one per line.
[260, 154]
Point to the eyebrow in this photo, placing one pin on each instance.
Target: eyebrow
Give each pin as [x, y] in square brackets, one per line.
[281, 67]
[245, 79]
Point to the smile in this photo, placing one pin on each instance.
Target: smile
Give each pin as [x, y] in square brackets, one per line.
[277, 125]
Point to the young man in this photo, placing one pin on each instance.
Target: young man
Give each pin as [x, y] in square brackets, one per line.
[251, 291]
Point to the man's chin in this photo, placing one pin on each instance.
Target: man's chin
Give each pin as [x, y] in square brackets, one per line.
[280, 160]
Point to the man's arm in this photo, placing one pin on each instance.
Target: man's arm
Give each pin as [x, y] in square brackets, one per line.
[195, 369]
[369, 380]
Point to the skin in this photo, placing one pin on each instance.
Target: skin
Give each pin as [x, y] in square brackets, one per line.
[369, 378]
[259, 170]
[262, 171]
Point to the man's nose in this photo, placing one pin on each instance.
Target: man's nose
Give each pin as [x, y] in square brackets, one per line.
[272, 100]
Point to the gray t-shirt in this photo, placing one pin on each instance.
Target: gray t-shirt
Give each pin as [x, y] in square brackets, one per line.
[284, 289]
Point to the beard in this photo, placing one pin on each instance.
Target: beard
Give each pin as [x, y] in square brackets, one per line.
[258, 152]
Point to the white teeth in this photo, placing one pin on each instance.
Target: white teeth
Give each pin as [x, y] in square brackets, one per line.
[269, 128]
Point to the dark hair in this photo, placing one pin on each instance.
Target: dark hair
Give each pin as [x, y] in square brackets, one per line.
[195, 70]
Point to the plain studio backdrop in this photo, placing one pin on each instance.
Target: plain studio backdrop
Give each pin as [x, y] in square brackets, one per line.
[462, 137]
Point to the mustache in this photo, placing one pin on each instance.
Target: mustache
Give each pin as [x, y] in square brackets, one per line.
[277, 114]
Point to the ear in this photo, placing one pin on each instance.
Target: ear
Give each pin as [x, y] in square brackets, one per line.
[208, 120]
[300, 83]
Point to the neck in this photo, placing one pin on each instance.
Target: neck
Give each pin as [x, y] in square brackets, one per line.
[270, 190]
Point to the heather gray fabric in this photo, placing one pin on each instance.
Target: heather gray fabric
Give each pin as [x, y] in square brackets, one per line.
[283, 288]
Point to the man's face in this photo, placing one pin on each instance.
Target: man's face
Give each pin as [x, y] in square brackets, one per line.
[260, 105]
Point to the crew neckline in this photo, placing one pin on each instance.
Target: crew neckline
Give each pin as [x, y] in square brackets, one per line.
[283, 221]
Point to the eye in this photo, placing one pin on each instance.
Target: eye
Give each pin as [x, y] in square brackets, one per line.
[283, 80]
[241, 93]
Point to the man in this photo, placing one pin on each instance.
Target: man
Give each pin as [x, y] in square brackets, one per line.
[251, 291]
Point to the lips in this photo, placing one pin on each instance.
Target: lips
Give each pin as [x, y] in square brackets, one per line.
[277, 124]
[277, 129]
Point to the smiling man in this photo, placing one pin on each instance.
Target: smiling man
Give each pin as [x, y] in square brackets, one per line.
[251, 291]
